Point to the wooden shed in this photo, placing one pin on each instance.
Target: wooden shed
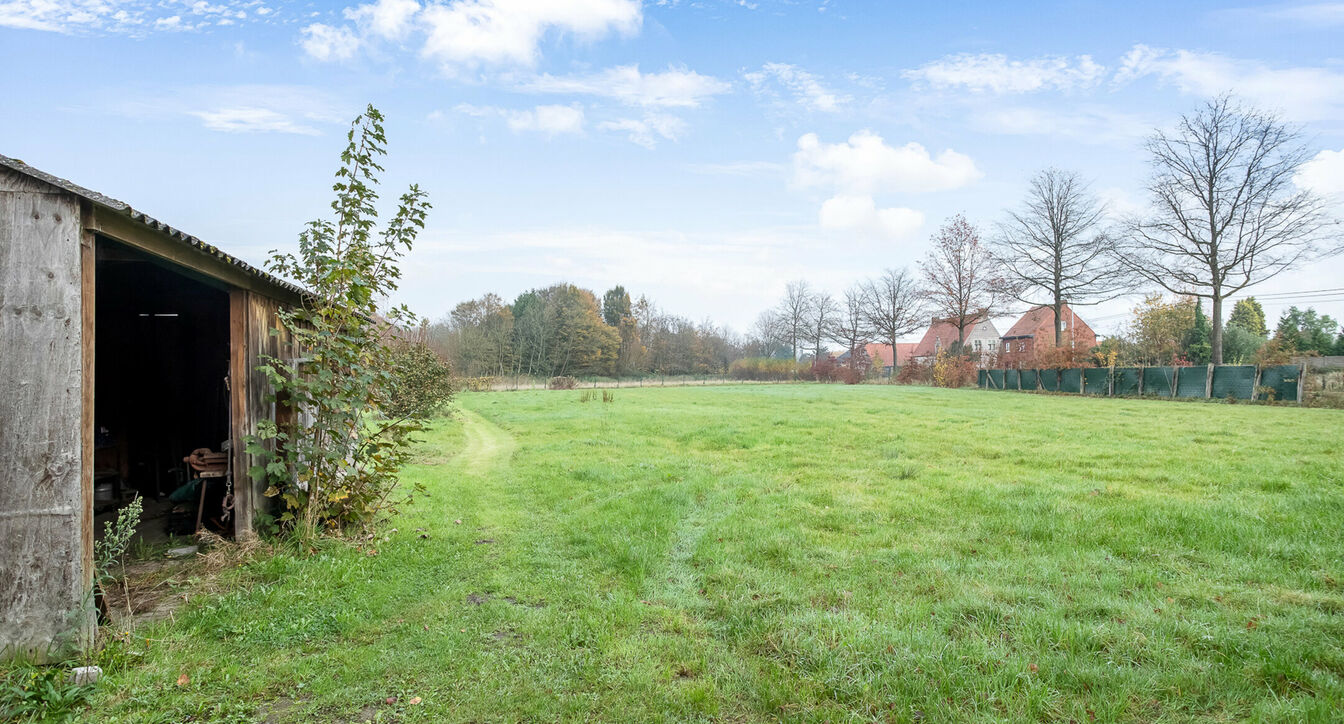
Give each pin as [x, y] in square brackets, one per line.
[125, 344]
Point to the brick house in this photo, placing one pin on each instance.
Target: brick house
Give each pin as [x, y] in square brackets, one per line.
[1036, 329]
[892, 359]
[982, 339]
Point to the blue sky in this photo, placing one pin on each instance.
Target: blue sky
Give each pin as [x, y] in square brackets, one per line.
[703, 152]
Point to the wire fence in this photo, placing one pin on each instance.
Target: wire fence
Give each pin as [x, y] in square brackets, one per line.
[584, 383]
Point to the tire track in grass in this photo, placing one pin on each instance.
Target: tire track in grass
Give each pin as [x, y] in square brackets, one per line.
[487, 445]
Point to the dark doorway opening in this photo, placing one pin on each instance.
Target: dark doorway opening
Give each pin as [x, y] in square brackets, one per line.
[160, 389]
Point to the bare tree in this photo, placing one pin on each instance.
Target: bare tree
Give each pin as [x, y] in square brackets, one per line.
[822, 317]
[851, 329]
[893, 306]
[1056, 248]
[1225, 213]
[793, 313]
[768, 333]
[963, 285]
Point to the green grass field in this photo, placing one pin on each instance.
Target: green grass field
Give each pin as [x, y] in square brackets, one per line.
[802, 553]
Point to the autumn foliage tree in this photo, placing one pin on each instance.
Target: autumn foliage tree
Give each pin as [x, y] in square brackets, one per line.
[559, 330]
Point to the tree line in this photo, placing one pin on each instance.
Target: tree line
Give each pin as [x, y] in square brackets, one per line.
[1178, 332]
[1224, 215]
[565, 330]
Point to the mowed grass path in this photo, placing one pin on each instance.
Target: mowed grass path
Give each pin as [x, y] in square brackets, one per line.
[804, 553]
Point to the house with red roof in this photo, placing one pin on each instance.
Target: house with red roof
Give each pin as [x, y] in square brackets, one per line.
[891, 358]
[982, 339]
[1036, 330]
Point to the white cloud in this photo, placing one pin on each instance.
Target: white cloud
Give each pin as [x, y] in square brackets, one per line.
[860, 214]
[1090, 124]
[806, 89]
[647, 131]
[1120, 203]
[327, 42]
[134, 17]
[673, 88]
[254, 108]
[252, 120]
[461, 34]
[865, 164]
[471, 32]
[996, 73]
[1323, 174]
[389, 19]
[1303, 93]
[550, 120]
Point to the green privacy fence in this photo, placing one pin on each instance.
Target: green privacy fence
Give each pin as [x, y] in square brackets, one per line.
[1241, 382]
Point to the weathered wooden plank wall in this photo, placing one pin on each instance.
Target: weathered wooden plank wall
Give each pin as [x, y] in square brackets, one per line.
[42, 571]
[263, 336]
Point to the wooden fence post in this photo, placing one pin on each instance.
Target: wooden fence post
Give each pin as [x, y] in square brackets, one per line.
[1175, 381]
[1301, 381]
[1141, 373]
[1208, 383]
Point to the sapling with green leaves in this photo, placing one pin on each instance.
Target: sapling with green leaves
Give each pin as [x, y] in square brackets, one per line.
[109, 554]
[336, 467]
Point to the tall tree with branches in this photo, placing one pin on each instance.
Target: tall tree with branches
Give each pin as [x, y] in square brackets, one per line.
[963, 284]
[794, 310]
[893, 306]
[1225, 213]
[851, 329]
[822, 317]
[1056, 248]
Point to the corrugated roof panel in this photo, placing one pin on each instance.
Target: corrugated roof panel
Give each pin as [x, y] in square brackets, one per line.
[140, 217]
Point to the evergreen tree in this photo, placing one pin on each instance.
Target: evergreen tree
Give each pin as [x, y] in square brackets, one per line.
[615, 306]
[1250, 316]
[1198, 350]
[1305, 330]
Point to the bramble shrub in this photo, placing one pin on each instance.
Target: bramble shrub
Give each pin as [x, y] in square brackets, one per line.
[477, 384]
[829, 369]
[766, 369]
[915, 372]
[954, 370]
[421, 384]
[1059, 358]
[824, 369]
[336, 465]
[849, 375]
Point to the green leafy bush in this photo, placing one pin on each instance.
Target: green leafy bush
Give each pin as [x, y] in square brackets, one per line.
[336, 465]
[422, 383]
[31, 693]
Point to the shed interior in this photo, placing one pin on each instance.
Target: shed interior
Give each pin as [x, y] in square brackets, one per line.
[160, 389]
